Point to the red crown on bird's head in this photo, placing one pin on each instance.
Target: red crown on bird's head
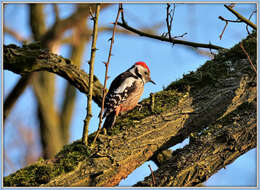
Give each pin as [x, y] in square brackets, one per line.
[143, 64]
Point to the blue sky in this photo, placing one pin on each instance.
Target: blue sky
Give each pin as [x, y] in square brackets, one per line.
[167, 63]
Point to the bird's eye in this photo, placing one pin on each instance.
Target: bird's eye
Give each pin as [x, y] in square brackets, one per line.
[145, 73]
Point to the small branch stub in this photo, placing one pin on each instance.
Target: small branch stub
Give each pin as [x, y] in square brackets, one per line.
[154, 182]
[152, 98]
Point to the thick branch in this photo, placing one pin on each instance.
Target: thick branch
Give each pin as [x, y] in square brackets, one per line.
[31, 58]
[214, 92]
[219, 145]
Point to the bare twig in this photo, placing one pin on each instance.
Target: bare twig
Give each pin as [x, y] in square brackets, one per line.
[169, 18]
[120, 9]
[240, 17]
[92, 17]
[248, 57]
[180, 36]
[227, 20]
[162, 38]
[91, 76]
[220, 36]
[154, 183]
[249, 19]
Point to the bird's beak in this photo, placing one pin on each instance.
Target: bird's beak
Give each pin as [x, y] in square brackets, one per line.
[152, 81]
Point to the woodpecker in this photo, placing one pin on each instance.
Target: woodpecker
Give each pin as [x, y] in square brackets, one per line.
[125, 92]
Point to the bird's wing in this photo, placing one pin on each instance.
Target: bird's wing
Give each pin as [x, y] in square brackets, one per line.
[119, 90]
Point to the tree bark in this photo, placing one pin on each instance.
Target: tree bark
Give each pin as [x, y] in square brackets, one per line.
[219, 145]
[214, 106]
[32, 58]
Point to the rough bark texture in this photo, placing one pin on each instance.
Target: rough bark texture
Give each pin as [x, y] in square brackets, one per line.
[214, 106]
[217, 146]
[31, 58]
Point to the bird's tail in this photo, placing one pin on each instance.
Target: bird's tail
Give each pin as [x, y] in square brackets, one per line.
[110, 120]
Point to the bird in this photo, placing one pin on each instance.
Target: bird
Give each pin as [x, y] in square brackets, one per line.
[125, 91]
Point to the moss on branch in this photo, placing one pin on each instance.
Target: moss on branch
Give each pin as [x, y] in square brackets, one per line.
[202, 105]
[44, 170]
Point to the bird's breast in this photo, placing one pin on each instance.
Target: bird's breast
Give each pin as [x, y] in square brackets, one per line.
[133, 98]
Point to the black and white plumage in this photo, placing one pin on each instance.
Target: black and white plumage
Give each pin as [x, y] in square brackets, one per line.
[125, 92]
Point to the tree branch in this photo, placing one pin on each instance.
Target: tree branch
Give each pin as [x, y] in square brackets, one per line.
[161, 38]
[36, 18]
[69, 98]
[219, 145]
[56, 31]
[44, 89]
[248, 57]
[240, 17]
[253, 12]
[169, 18]
[13, 33]
[120, 9]
[57, 13]
[32, 58]
[91, 75]
[222, 92]
[15, 94]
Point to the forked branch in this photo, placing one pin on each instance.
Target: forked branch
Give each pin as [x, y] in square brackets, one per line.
[240, 17]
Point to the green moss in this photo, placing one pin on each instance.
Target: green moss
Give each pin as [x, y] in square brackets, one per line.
[36, 45]
[69, 157]
[42, 172]
[208, 73]
[205, 75]
[29, 176]
[249, 44]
